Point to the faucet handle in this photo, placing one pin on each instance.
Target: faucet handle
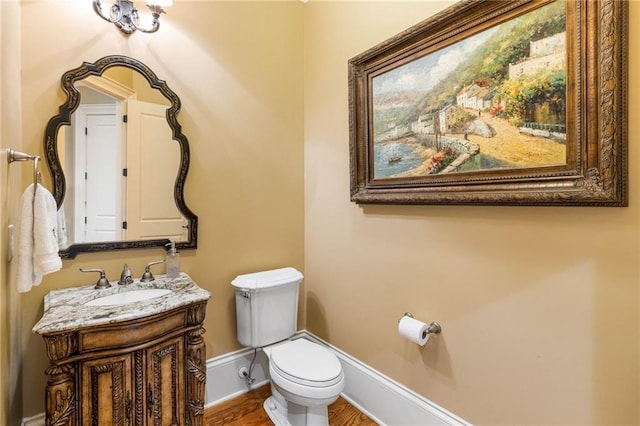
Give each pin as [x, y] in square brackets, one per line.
[148, 276]
[103, 282]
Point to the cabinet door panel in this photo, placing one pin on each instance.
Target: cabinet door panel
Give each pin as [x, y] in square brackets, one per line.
[165, 389]
[106, 391]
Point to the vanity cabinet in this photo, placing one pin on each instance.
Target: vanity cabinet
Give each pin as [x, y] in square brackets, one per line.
[143, 372]
[149, 370]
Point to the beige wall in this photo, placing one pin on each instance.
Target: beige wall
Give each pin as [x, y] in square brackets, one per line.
[10, 189]
[237, 68]
[539, 306]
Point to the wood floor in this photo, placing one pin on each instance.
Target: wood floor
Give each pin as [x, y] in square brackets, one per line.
[246, 410]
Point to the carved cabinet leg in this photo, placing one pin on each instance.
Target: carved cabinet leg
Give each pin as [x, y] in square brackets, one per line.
[60, 396]
[196, 376]
[195, 365]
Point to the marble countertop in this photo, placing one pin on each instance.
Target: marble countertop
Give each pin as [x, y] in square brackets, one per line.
[65, 309]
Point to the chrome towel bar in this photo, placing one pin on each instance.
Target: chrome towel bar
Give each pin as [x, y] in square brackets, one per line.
[21, 156]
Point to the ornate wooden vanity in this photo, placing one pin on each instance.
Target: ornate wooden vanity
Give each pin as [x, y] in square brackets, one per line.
[140, 363]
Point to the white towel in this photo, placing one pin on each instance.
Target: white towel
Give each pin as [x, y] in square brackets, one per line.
[61, 230]
[37, 252]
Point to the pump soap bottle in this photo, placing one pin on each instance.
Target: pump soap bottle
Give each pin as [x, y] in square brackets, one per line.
[173, 261]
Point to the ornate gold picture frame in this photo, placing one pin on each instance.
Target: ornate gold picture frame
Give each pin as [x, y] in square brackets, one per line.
[515, 102]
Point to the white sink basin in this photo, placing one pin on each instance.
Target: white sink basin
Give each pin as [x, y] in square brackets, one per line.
[128, 297]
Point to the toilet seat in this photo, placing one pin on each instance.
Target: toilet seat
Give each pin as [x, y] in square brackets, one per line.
[306, 363]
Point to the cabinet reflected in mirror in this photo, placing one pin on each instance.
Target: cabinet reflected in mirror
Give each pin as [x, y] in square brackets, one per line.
[119, 160]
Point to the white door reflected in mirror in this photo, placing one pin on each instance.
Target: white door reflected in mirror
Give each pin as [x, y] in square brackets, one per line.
[96, 181]
[152, 164]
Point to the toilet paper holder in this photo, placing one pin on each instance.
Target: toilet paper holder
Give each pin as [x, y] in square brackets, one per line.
[434, 327]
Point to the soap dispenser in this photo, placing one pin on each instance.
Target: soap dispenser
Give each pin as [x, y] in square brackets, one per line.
[173, 261]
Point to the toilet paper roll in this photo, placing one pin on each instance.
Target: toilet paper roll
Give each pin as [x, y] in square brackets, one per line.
[414, 330]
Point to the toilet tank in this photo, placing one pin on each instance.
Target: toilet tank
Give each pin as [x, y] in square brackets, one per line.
[266, 306]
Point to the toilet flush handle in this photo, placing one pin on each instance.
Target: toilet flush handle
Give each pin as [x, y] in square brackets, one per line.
[245, 293]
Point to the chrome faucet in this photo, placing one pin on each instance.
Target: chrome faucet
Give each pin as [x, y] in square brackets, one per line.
[126, 277]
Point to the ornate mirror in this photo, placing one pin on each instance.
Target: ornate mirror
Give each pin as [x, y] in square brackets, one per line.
[118, 160]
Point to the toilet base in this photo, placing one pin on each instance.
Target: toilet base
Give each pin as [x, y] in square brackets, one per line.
[276, 412]
[286, 413]
[307, 416]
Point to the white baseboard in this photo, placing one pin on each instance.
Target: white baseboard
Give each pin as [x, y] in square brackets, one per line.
[386, 401]
[37, 420]
[223, 380]
[382, 399]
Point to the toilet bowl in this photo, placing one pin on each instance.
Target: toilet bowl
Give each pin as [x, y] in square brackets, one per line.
[305, 379]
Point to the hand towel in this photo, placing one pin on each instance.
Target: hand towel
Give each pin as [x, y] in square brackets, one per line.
[61, 230]
[26, 277]
[37, 252]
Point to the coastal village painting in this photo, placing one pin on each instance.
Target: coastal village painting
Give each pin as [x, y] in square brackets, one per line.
[495, 100]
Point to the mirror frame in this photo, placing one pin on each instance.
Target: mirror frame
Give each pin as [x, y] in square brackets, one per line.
[64, 118]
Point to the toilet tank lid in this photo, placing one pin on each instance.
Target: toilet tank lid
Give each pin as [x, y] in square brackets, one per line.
[265, 279]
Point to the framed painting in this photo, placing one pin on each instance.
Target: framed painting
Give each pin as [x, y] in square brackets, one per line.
[513, 102]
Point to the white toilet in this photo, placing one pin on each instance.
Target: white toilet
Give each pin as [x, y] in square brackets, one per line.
[305, 377]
